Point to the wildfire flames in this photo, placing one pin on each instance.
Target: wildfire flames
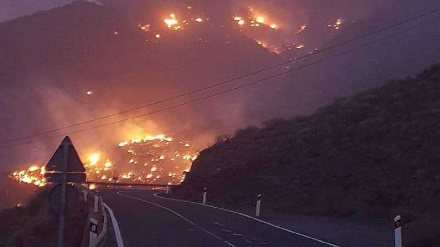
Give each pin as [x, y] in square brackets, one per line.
[267, 29]
[259, 27]
[172, 23]
[272, 35]
[150, 159]
[336, 25]
[157, 159]
[160, 159]
[32, 175]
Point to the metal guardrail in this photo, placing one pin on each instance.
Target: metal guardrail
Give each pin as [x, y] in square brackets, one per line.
[99, 241]
[130, 184]
[96, 226]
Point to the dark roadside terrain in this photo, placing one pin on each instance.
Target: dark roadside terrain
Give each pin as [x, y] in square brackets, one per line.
[31, 224]
[373, 155]
[13, 193]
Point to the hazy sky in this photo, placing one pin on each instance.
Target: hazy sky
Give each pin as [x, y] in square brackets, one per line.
[10, 9]
[14, 8]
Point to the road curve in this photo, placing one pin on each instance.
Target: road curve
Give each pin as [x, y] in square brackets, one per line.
[146, 220]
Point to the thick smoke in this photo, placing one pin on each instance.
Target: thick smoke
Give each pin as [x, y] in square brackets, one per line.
[296, 93]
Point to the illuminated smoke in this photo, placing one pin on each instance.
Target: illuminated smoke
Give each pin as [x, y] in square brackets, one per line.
[285, 28]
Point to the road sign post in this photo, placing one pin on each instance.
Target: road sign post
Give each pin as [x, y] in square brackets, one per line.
[64, 166]
[63, 196]
[398, 231]
[85, 193]
[72, 199]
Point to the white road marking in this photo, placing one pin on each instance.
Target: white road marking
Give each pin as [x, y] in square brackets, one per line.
[250, 217]
[115, 227]
[180, 216]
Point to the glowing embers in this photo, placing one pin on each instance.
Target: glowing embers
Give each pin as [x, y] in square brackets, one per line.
[144, 27]
[260, 20]
[172, 23]
[254, 20]
[268, 47]
[122, 144]
[336, 25]
[239, 20]
[261, 28]
[108, 165]
[301, 29]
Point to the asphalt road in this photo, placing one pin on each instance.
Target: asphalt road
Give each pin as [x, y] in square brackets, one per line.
[146, 220]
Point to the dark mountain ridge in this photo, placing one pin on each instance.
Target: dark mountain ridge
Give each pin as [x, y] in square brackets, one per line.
[375, 154]
[377, 150]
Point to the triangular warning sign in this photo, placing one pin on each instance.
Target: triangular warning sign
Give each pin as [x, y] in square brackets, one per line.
[74, 163]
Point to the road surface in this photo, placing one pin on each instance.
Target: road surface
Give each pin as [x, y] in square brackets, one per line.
[146, 220]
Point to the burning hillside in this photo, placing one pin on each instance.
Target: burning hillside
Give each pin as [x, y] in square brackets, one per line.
[144, 55]
[33, 175]
[82, 62]
[150, 159]
[264, 26]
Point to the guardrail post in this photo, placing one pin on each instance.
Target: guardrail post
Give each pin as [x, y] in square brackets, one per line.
[93, 231]
[398, 231]
[257, 211]
[205, 190]
[95, 205]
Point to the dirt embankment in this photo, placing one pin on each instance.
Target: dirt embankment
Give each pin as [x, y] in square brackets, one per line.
[31, 224]
[13, 193]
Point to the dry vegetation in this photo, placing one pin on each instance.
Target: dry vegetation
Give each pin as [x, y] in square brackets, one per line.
[13, 193]
[32, 225]
[375, 154]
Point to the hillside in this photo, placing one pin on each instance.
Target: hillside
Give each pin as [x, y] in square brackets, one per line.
[55, 57]
[32, 225]
[13, 193]
[83, 46]
[83, 61]
[374, 154]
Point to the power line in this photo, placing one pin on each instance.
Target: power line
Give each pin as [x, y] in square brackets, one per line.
[229, 90]
[228, 81]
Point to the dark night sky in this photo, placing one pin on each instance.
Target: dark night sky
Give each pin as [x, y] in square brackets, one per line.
[56, 105]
